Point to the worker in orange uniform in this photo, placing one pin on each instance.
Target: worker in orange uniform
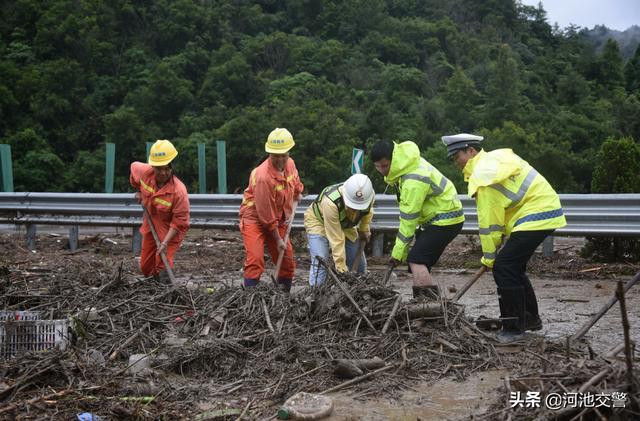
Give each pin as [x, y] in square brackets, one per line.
[266, 206]
[165, 198]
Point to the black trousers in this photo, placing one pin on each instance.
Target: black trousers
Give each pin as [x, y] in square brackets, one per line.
[515, 293]
[431, 242]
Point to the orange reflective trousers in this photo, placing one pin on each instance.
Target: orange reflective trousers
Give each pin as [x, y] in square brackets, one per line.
[254, 237]
[150, 262]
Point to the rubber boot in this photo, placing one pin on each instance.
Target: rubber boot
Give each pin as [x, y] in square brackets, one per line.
[285, 284]
[532, 323]
[531, 317]
[509, 336]
[249, 283]
[429, 292]
[511, 301]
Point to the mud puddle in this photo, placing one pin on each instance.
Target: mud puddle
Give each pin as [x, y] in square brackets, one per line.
[445, 399]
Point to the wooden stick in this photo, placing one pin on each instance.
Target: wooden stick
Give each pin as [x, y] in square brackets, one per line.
[244, 411]
[594, 380]
[32, 401]
[613, 352]
[387, 274]
[132, 338]
[274, 275]
[394, 310]
[266, 314]
[346, 292]
[469, 284]
[309, 372]
[585, 328]
[163, 255]
[625, 328]
[357, 379]
[356, 261]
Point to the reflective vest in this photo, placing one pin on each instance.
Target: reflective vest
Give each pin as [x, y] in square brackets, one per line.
[511, 196]
[425, 196]
[334, 195]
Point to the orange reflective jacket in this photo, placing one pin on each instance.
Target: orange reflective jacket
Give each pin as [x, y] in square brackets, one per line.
[268, 200]
[168, 206]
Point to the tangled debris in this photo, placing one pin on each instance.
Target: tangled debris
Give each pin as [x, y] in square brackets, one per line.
[224, 351]
[569, 389]
[223, 342]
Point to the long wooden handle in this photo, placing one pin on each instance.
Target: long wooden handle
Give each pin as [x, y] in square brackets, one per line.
[387, 274]
[468, 285]
[286, 240]
[163, 255]
[356, 261]
[585, 328]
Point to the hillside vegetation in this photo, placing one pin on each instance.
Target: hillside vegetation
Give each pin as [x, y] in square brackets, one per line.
[337, 73]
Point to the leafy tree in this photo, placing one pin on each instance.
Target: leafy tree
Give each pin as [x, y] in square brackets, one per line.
[632, 73]
[610, 67]
[617, 169]
[338, 74]
[461, 98]
[93, 163]
[503, 92]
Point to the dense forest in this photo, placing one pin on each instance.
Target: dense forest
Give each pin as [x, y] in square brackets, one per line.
[337, 73]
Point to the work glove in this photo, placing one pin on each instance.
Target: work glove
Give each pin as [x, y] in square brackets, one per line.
[364, 236]
[394, 262]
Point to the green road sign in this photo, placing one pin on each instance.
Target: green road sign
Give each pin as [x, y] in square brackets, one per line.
[357, 161]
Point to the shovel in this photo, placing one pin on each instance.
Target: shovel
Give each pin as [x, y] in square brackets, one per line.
[274, 275]
[163, 255]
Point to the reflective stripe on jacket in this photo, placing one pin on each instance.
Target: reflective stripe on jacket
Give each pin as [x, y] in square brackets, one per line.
[268, 199]
[510, 196]
[425, 196]
[334, 194]
[168, 206]
[328, 217]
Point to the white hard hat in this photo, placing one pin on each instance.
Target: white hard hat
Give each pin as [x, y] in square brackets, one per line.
[358, 192]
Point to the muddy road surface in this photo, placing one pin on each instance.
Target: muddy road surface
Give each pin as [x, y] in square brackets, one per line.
[204, 368]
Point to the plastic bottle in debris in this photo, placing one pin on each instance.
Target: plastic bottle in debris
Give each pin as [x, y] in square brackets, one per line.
[283, 413]
[305, 406]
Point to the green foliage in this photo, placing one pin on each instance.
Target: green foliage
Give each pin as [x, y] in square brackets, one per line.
[632, 73]
[617, 169]
[337, 74]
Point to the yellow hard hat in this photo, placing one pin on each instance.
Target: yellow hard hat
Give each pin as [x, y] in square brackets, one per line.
[279, 141]
[162, 153]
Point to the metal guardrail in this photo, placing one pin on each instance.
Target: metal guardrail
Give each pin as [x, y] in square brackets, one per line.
[587, 214]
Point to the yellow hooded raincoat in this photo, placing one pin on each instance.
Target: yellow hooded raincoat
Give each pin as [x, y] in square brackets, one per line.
[425, 196]
[510, 196]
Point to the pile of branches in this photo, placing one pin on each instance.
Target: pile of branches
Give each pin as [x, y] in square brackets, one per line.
[232, 340]
[570, 389]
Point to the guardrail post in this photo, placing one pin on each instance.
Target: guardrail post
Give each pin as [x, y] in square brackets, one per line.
[547, 246]
[202, 169]
[31, 237]
[222, 166]
[377, 247]
[109, 167]
[136, 241]
[7, 168]
[73, 238]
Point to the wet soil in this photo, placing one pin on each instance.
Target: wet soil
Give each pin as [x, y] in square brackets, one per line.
[570, 290]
